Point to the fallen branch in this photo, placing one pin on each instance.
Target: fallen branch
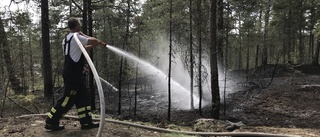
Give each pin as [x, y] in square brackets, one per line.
[36, 107]
[19, 105]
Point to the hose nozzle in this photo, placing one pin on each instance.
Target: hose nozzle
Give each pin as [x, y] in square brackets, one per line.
[103, 43]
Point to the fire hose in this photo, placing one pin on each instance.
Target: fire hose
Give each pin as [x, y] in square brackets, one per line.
[162, 130]
[98, 82]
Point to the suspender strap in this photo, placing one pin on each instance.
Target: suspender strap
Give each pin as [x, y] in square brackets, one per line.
[65, 48]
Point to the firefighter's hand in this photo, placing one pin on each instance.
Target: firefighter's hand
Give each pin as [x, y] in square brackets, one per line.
[102, 43]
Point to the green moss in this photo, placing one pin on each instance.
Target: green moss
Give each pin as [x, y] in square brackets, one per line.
[30, 98]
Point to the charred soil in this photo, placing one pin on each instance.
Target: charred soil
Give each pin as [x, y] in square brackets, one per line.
[290, 105]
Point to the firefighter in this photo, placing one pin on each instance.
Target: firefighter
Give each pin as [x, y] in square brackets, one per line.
[75, 92]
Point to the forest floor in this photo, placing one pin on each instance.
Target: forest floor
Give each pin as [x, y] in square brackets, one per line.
[290, 105]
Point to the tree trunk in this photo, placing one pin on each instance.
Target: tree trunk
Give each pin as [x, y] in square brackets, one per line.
[170, 59]
[85, 28]
[2, 64]
[290, 47]
[226, 64]
[315, 60]
[240, 44]
[199, 24]
[220, 33]
[265, 35]
[248, 56]
[191, 58]
[120, 85]
[301, 47]
[22, 68]
[31, 63]
[311, 27]
[256, 61]
[85, 17]
[213, 61]
[47, 65]
[111, 41]
[285, 48]
[91, 80]
[70, 8]
[14, 81]
[137, 72]
[311, 45]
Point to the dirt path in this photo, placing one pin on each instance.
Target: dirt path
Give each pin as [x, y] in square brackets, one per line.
[34, 127]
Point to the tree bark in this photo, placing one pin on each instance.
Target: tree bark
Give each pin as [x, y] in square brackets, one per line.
[91, 81]
[85, 17]
[226, 59]
[311, 45]
[256, 61]
[14, 81]
[220, 34]
[285, 47]
[213, 61]
[85, 27]
[315, 60]
[290, 45]
[170, 58]
[248, 56]
[301, 26]
[265, 35]
[240, 44]
[2, 64]
[191, 57]
[47, 65]
[199, 33]
[311, 27]
[137, 72]
[31, 62]
[22, 63]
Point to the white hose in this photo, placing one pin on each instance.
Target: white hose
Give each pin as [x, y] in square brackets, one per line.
[238, 134]
[98, 82]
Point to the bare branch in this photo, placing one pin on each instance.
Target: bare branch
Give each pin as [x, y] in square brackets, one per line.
[79, 7]
[20, 105]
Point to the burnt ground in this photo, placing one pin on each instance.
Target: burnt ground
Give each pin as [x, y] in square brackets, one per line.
[289, 105]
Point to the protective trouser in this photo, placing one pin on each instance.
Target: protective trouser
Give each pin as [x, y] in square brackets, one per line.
[75, 92]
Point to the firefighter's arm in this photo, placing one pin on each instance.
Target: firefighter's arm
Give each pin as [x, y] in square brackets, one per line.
[92, 40]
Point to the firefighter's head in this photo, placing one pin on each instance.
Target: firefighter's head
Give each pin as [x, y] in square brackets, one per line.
[74, 24]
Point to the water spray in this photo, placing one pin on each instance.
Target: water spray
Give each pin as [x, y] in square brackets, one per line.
[98, 82]
[109, 84]
[161, 73]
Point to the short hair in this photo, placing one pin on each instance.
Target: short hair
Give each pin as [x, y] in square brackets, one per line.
[73, 22]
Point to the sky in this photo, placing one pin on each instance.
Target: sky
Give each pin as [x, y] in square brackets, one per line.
[23, 6]
[31, 7]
